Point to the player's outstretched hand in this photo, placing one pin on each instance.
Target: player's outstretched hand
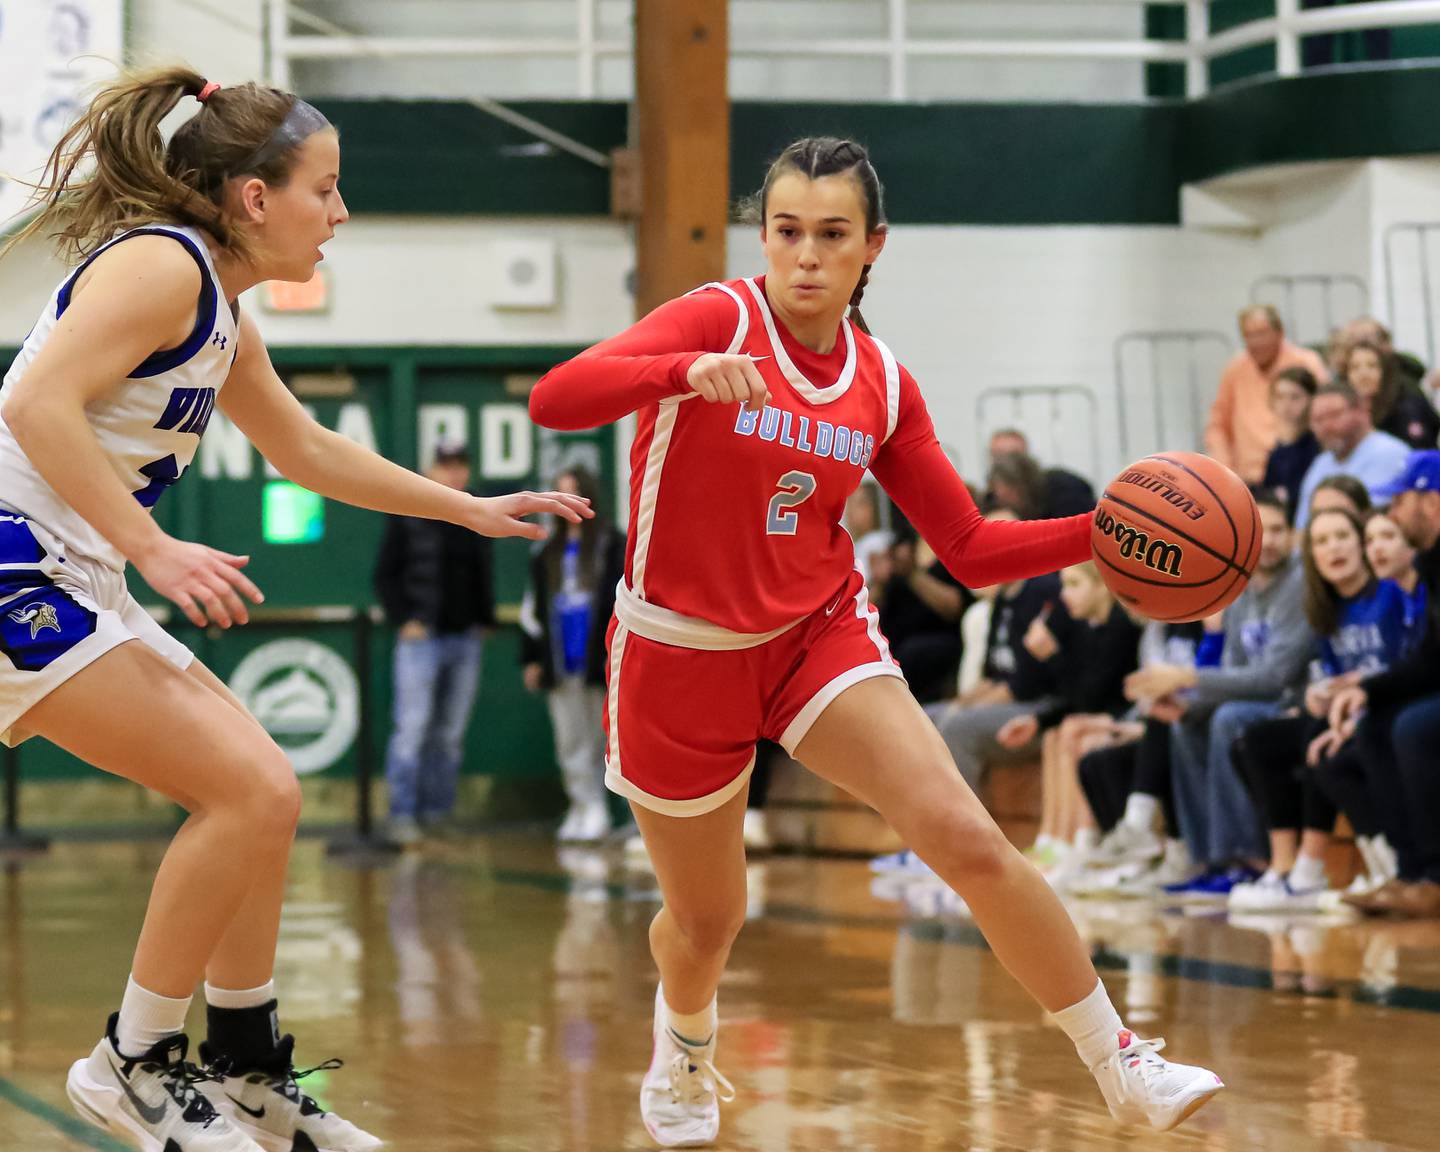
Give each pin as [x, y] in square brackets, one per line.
[723, 379]
[501, 515]
[204, 582]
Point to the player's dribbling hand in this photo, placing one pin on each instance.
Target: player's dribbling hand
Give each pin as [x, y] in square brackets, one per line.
[501, 515]
[206, 583]
[719, 378]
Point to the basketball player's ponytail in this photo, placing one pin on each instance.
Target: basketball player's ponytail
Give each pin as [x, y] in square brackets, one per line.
[113, 170]
[817, 156]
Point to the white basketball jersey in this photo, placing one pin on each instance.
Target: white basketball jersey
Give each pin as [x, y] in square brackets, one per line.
[150, 425]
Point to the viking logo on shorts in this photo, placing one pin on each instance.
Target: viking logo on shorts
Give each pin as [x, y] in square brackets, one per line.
[38, 616]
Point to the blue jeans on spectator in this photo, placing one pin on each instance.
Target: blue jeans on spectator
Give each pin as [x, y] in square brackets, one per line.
[435, 680]
[1213, 806]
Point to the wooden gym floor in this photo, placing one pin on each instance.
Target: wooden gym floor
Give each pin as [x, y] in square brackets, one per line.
[486, 994]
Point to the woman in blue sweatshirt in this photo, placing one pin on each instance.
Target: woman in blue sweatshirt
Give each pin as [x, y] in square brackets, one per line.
[1360, 623]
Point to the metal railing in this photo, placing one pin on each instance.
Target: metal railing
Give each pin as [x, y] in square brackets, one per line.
[1176, 386]
[326, 39]
[1054, 404]
[1323, 288]
[1421, 292]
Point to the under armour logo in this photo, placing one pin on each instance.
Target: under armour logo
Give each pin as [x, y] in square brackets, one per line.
[38, 616]
[219, 341]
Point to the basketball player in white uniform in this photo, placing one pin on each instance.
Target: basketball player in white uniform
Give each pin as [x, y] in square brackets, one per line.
[99, 414]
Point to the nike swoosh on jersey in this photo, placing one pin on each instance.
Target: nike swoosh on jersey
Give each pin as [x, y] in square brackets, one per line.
[257, 1113]
[150, 1113]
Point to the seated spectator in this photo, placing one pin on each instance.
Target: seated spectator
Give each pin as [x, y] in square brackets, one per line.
[1093, 648]
[1295, 445]
[1367, 328]
[1392, 556]
[1127, 783]
[1351, 444]
[1036, 493]
[1396, 406]
[1395, 716]
[1267, 647]
[862, 521]
[1013, 682]
[1341, 491]
[1241, 430]
[1360, 623]
[920, 607]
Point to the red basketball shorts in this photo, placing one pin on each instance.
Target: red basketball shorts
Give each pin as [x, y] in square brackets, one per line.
[683, 713]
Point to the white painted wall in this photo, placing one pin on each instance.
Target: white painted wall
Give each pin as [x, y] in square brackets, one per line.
[222, 40]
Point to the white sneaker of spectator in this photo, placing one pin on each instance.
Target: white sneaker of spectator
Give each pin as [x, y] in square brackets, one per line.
[1107, 881]
[897, 873]
[1175, 867]
[1125, 844]
[1276, 893]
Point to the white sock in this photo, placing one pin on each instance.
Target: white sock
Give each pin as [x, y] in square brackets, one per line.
[693, 1029]
[239, 998]
[1308, 872]
[1140, 811]
[147, 1018]
[1093, 1025]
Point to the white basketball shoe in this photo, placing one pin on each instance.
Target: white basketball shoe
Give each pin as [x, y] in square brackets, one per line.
[681, 1094]
[271, 1110]
[1140, 1087]
[151, 1102]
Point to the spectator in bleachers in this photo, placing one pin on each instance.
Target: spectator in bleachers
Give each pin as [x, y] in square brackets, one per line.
[1392, 555]
[1361, 625]
[862, 521]
[1367, 328]
[1340, 491]
[434, 581]
[1012, 682]
[920, 607]
[1295, 445]
[1396, 406]
[1016, 480]
[1127, 784]
[1398, 714]
[1351, 444]
[563, 619]
[1267, 647]
[1092, 648]
[1241, 430]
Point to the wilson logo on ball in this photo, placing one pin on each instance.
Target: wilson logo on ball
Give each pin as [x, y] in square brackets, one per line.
[1177, 499]
[1156, 554]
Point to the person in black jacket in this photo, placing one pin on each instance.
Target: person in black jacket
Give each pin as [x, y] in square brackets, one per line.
[565, 616]
[1396, 405]
[434, 582]
[1398, 713]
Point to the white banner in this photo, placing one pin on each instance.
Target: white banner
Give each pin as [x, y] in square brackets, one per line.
[51, 52]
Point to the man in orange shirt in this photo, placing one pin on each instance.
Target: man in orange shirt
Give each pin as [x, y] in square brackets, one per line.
[1241, 429]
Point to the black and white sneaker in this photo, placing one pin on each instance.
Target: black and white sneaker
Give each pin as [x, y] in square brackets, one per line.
[152, 1102]
[270, 1108]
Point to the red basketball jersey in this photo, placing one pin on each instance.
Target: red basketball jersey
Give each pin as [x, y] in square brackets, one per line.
[735, 515]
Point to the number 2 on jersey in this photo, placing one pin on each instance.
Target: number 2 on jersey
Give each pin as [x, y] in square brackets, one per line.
[795, 489]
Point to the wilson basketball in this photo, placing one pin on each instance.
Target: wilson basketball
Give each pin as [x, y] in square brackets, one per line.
[1176, 536]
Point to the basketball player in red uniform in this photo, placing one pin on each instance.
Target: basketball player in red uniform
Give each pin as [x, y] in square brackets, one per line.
[761, 406]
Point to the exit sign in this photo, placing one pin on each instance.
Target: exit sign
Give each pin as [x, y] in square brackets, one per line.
[284, 296]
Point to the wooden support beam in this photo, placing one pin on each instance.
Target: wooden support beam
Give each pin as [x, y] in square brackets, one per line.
[683, 134]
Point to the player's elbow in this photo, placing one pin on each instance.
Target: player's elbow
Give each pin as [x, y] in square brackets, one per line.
[25, 411]
[547, 406]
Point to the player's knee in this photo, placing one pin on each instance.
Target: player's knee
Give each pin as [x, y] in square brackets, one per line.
[709, 931]
[274, 801]
[968, 845]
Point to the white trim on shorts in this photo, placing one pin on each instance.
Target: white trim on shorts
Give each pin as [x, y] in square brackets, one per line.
[799, 727]
[614, 773]
[699, 806]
